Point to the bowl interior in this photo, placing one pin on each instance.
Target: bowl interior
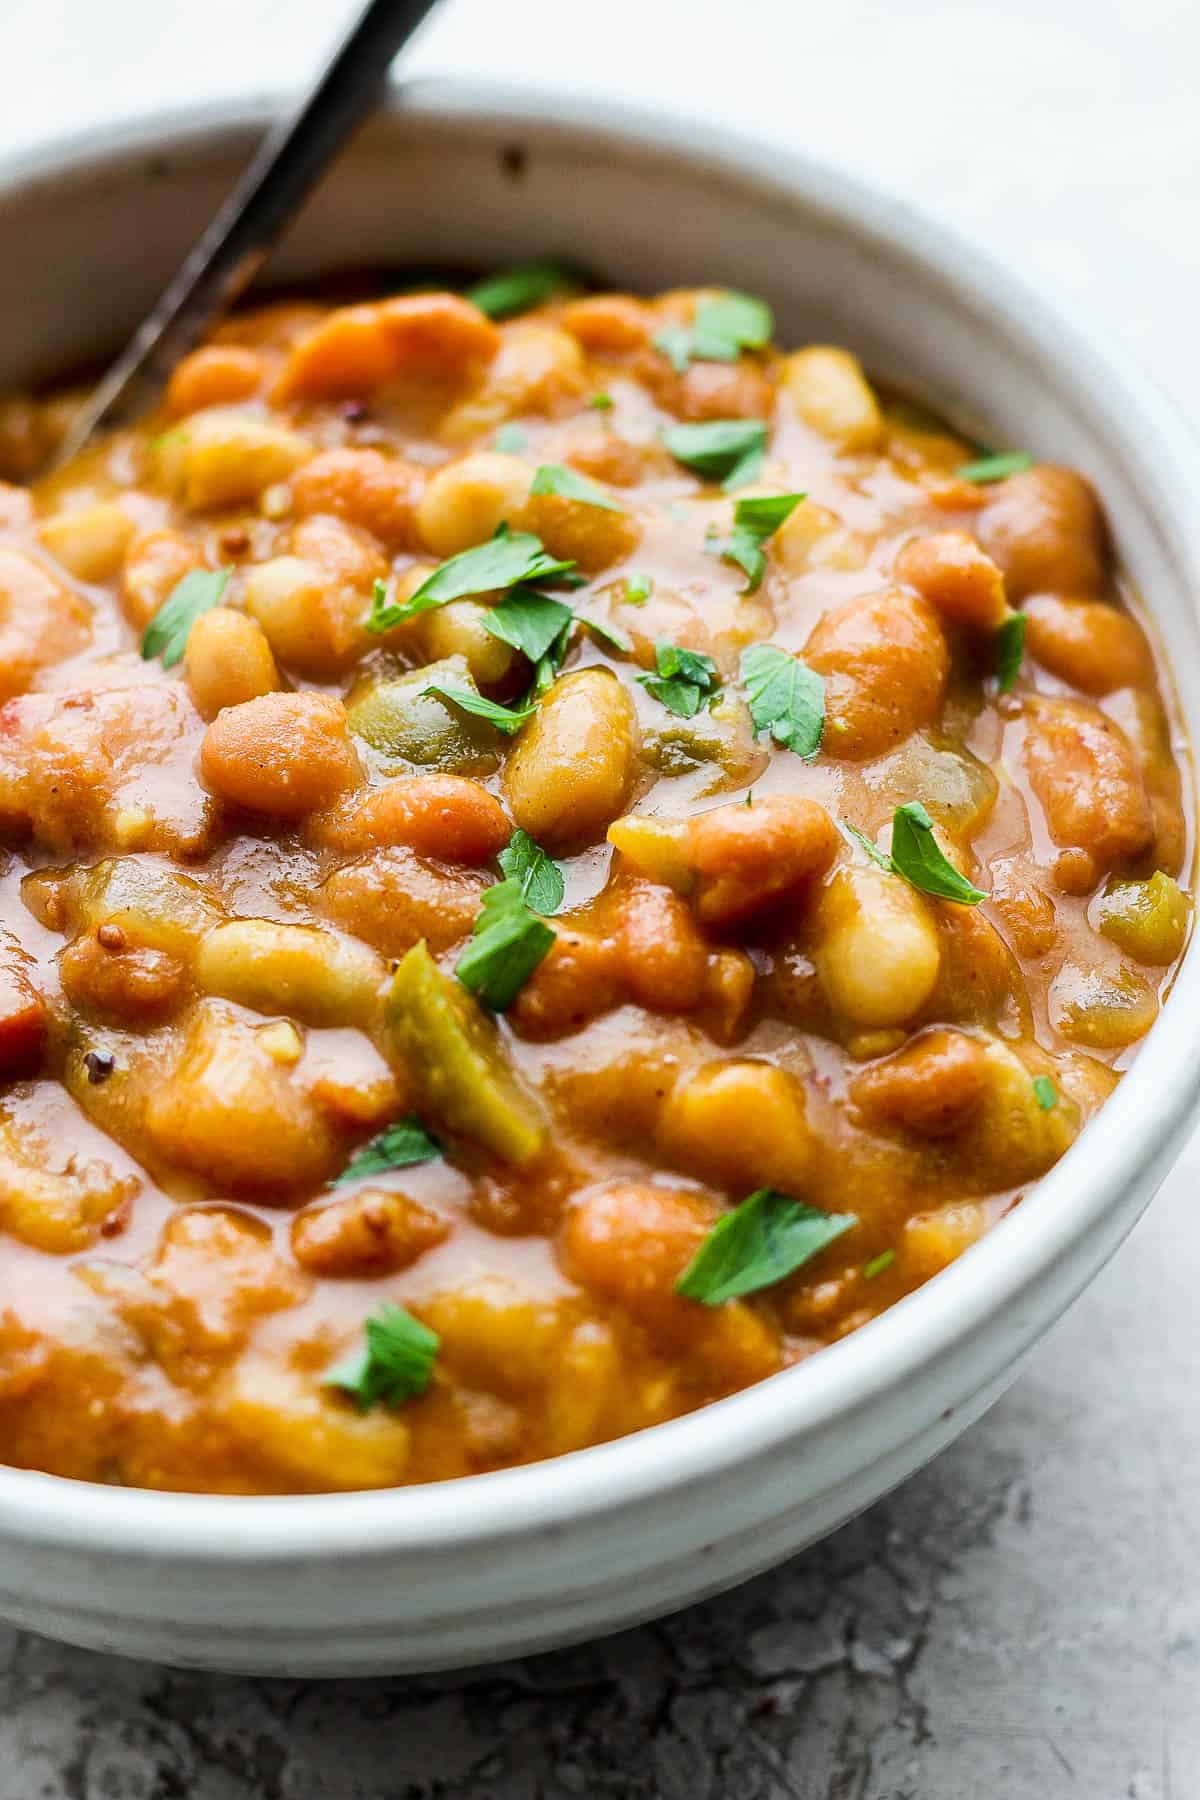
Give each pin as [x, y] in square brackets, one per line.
[89, 234]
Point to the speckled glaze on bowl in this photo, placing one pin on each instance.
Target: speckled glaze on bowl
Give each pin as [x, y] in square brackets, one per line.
[465, 1570]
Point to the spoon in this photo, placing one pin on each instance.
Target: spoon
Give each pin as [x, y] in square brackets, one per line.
[232, 249]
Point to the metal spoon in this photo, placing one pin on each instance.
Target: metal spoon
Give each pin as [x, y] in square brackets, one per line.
[232, 249]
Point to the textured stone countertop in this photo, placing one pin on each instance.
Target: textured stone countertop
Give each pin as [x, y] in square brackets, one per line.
[1022, 1620]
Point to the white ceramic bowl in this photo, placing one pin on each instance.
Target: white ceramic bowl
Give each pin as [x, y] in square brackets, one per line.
[465, 1570]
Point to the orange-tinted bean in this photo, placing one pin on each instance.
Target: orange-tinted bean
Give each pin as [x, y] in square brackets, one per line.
[1087, 643]
[155, 562]
[215, 375]
[663, 957]
[130, 982]
[1045, 529]
[580, 978]
[446, 816]
[1083, 771]
[749, 857]
[959, 580]
[932, 1086]
[885, 664]
[23, 1013]
[356, 349]
[284, 754]
[613, 322]
[365, 488]
[373, 1232]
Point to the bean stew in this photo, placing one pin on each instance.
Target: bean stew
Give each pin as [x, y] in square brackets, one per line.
[559, 859]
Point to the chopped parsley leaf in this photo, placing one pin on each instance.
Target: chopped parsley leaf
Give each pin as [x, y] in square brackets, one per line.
[769, 1236]
[569, 484]
[785, 697]
[398, 1147]
[395, 1362]
[995, 468]
[682, 679]
[541, 879]
[508, 942]
[754, 521]
[168, 631]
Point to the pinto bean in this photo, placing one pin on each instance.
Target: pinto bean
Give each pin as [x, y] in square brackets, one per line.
[446, 816]
[1088, 643]
[930, 1087]
[885, 664]
[742, 1124]
[465, 500]
[285, 755]
[214, 375]
[663, 957]
[747, 858]
[827, 387]
[372, 1232]
[878, 956]
[1084, 772]
[365, 488]
[1046, 530]
[959, 580]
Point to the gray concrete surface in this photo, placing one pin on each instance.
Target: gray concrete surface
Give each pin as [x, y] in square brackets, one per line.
[1022, 1620]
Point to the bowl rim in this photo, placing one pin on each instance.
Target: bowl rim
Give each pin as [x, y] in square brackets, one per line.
[1147, 1110]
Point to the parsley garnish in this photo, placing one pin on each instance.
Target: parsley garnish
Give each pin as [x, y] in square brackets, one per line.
[516, 290]
[504, 560]
[1009, 649]
[682, 678]
[395, 1362]
[878, 1264]
[1045, 1093]
[541, 879]
[508, 719]
[608, 635]
[569, 484]
[768, 1236]
[729, 448]
[601, 402]
[872, 849]
[995, 468]
[510, 438]
[399, 1147]
[508, 942]
[167, 633]
[754, 521]
[785, 697]
[723, 327]
[917, 856]
[531, 623]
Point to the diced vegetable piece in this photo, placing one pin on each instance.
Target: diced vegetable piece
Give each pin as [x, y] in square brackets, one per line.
[458, 1062]
[152, 906]
[1147, 919]
[396, 717]
[1102, 1008]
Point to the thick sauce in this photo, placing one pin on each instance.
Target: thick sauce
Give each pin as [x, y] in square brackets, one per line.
[249, 839]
